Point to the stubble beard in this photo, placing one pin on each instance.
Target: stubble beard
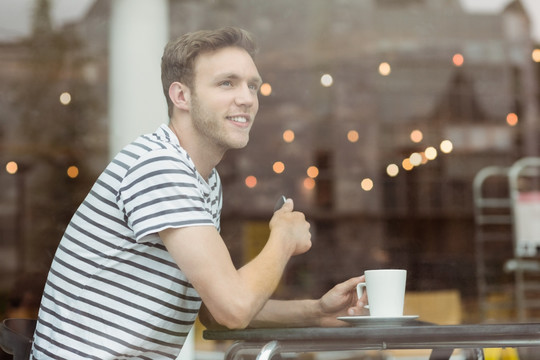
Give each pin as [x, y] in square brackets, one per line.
[210, 126]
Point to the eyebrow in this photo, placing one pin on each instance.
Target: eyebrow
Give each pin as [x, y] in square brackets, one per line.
[256, 79]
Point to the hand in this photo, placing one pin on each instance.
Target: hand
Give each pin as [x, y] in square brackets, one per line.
[292, 227]
[342, 300]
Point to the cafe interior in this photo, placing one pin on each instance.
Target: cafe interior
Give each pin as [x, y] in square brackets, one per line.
[407, 131]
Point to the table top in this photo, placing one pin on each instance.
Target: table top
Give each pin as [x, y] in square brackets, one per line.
[412, 335]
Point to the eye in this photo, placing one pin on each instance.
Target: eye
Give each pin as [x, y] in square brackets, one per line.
[226, 83]
[254, 87]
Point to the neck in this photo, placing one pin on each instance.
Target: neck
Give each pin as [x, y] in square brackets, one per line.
[204, 157]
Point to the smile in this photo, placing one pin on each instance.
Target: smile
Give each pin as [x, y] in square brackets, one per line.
[238, 119]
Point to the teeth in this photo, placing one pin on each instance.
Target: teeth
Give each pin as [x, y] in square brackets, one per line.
[239, 119]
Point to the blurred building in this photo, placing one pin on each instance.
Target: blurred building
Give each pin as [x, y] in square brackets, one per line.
[347, 84]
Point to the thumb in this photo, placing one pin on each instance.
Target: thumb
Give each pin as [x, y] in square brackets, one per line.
[288, 205]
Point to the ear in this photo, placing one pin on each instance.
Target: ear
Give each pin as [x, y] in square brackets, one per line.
[180, 95]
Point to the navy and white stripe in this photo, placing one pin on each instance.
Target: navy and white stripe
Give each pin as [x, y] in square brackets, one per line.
[113, 291]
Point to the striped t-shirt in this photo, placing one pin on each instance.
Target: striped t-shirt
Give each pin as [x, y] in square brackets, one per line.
[113, 290]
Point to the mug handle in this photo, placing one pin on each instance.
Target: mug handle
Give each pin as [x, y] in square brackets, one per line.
[360, 292]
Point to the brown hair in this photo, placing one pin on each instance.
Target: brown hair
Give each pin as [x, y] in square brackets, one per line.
[179, 55]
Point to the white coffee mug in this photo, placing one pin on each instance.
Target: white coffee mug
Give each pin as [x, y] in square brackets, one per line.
[385, 291]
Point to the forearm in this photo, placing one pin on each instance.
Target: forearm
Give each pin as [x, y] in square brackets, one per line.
[262, 275]
[288, 313]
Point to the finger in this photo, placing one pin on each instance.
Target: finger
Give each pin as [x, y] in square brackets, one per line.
[352, 282]
[288, 205]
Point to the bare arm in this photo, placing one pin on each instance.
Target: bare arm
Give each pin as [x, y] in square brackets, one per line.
[341, 300]
[233, 297]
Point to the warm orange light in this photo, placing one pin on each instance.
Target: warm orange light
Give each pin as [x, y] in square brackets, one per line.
[278, 167]
[288, 136]
[458, 60]
[73, 171]
[416, 136]
[536, 55]
[512, 119]
[353, 136]
[385, 69]
[251, 181]
[406, 164]
[266, 89]
[309, 183]
[367, 184]
[312, 172]
[12, 167]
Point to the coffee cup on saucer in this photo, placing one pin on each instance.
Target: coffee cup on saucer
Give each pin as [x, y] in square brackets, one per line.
[385, 291]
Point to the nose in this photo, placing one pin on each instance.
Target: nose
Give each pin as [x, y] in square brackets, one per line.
[246, 96]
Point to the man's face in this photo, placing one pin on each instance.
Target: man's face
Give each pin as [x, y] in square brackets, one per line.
[224, 99]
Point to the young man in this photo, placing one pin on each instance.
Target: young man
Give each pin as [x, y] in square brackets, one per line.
[143, 250]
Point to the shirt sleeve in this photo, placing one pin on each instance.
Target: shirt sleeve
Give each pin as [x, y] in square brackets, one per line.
[162, 191]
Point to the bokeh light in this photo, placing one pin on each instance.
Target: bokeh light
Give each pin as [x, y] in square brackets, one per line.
[251, 181]
[12, 167]
[309, 183]
[367, 184]
[73, 171]
[65, 98]
[415, 159]
[431, 153]
[312, 172]
[406, 164]
[392, 170]
[446, 146]
[266, 89]
[512, 119]
[385, 69]
[278, 167]
[458, 60]
[416, 136]
[288, 136]
[536, 55]
[353, 136]
[327, 80]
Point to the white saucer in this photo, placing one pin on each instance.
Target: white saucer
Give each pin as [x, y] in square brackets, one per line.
[378, 320]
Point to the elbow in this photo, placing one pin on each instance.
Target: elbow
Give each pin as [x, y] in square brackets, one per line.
[236, 316]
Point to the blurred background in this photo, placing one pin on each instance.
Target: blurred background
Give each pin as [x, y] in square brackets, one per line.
[378, 117]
